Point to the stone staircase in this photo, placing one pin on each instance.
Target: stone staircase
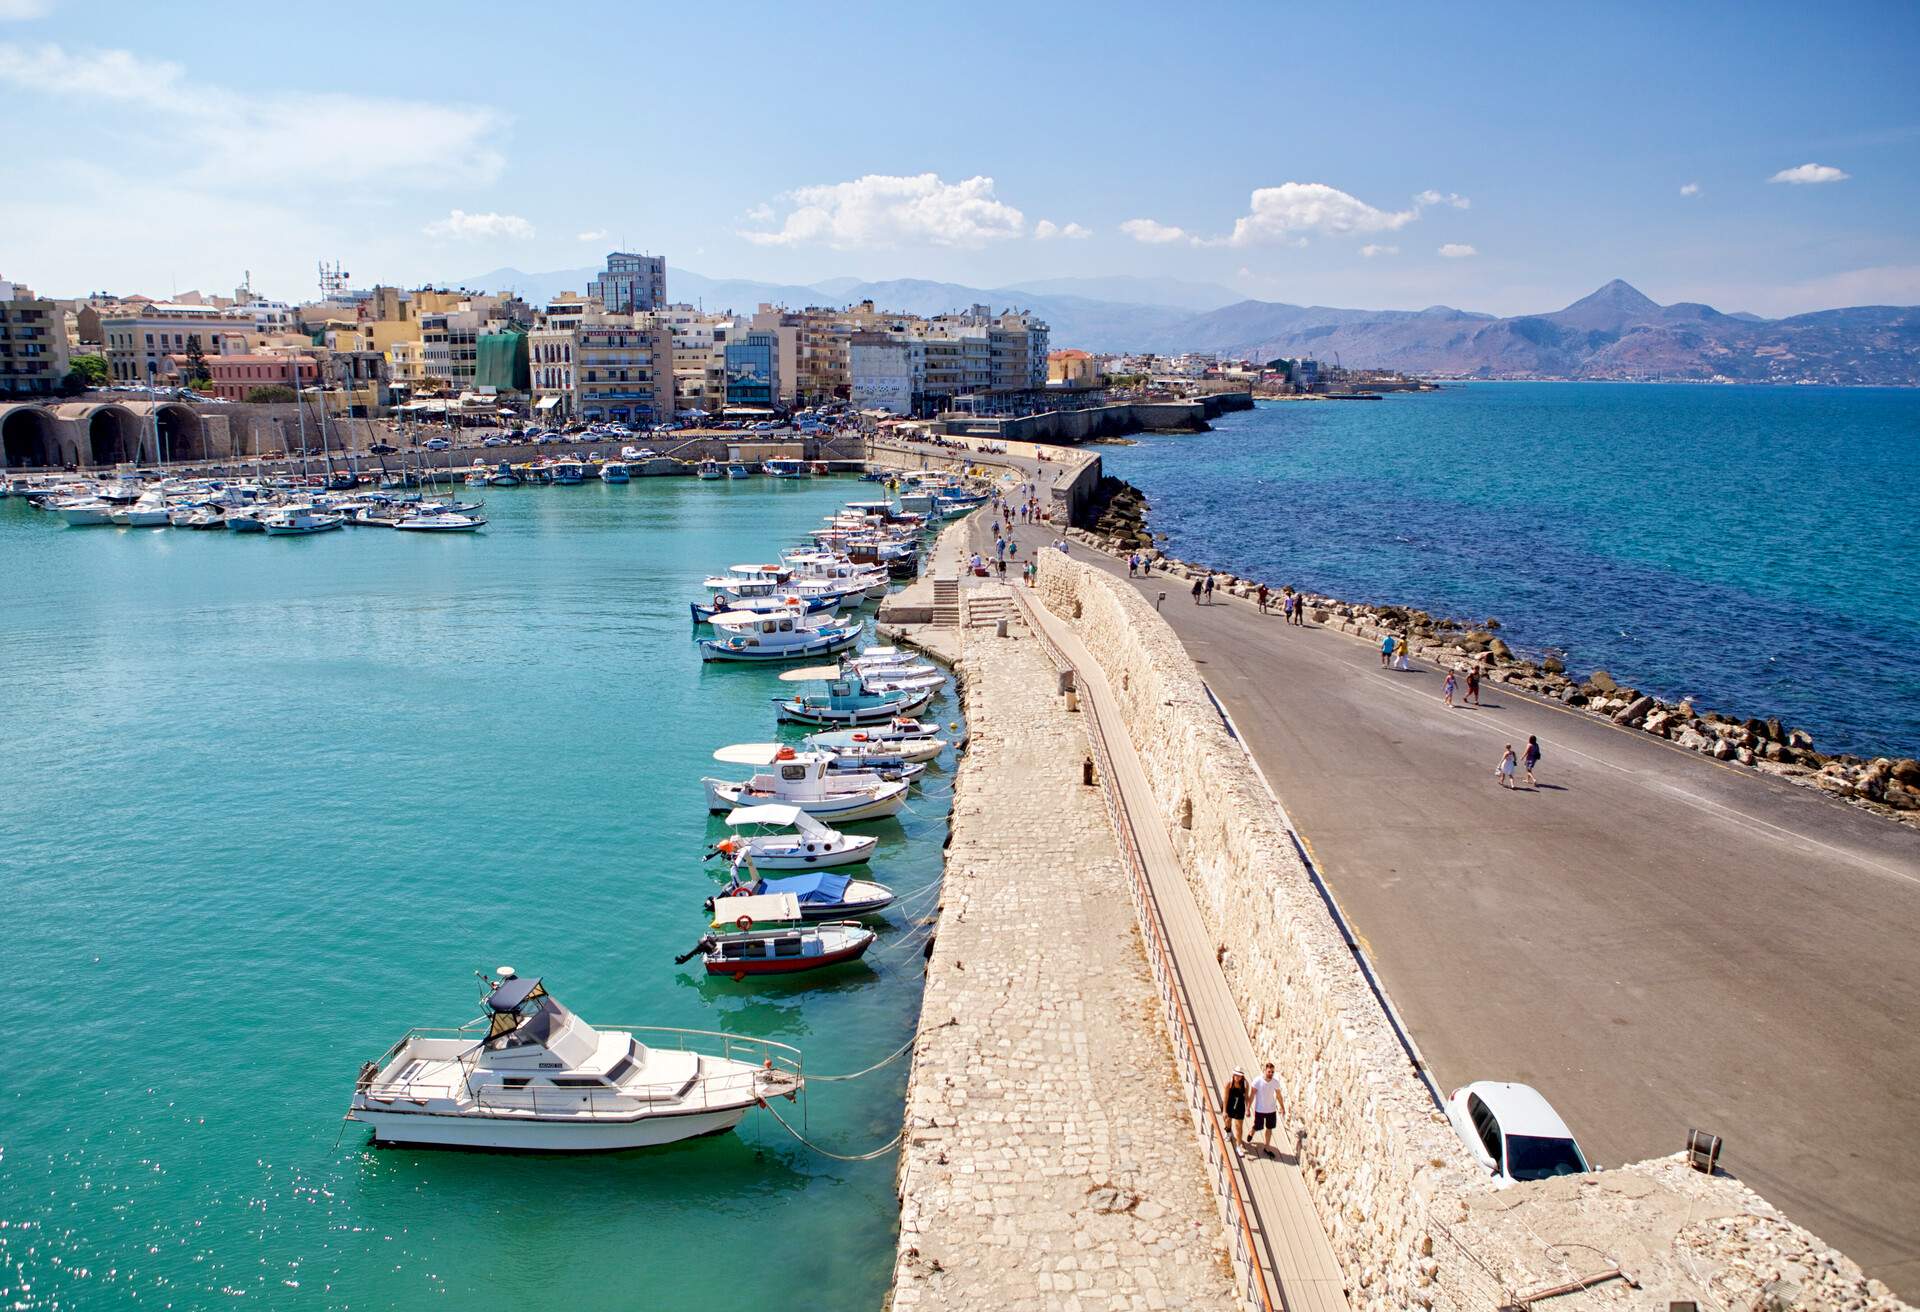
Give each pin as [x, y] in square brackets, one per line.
[985, 609]
[946, 603]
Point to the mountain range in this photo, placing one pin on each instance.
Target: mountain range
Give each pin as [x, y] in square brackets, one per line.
[1616, 333]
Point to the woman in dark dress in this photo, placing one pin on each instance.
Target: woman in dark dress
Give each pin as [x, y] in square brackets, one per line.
[1234, 1099]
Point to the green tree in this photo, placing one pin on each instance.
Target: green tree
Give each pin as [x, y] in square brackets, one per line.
[92, 369]
[197, 375]
[270, 395]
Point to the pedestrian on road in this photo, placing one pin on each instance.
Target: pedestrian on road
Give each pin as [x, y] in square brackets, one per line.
[1446, 689]
[1266, 1107]
[1030, 573]
[1473, 687]
[1196, 592]
[1531, 759]
[1262, 598]
[1234, 1099]
[1133, 564]
[1300, 609]
[1209, 589]
[1504, 771]
[1401, 663]
[1386, 651]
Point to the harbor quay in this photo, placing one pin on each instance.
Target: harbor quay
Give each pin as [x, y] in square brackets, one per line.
[1407, 1216]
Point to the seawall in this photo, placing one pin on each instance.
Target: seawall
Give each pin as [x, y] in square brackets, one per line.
[1411, 1221]
[1095, 422]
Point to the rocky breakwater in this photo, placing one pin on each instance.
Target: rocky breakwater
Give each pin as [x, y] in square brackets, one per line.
[1887, 785]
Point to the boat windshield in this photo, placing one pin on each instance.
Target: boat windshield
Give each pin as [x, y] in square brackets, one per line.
[537, 1021]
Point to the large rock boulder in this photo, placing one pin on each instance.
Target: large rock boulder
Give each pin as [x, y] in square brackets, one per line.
[1554, 665]
[1602, 680]
[1634, 711]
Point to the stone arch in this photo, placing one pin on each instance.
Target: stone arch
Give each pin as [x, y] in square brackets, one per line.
[105, 432]
[183, 436]
[29, 435]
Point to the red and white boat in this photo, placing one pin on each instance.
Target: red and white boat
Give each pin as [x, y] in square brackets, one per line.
[765, 935]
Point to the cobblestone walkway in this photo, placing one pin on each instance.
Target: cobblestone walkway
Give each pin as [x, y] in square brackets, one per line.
[1050, 1162]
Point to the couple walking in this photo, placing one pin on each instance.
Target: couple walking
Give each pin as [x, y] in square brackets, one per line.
[1473, 687]
[1504, 771]
[1264, 1094]
[1203, 588]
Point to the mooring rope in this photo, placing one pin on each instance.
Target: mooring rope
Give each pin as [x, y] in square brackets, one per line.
[889, 1058]
[881, 1151]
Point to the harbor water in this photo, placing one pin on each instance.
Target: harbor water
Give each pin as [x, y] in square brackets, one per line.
[269, 802]
[1754, 548]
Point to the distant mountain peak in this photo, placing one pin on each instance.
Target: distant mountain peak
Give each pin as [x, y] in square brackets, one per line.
[1618, 295]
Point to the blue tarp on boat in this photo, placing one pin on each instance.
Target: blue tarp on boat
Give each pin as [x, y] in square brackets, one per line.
[821, 887]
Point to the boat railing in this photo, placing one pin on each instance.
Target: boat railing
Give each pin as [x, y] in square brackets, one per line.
[1223, 1163]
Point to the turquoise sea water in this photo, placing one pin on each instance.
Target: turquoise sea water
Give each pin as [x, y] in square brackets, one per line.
[267, 803]
[1756, 548]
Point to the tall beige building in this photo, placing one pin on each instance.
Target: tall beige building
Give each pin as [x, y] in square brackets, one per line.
[590, 364]
[34, 355]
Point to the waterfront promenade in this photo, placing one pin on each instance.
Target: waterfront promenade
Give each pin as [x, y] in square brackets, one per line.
[1049, 1161]
[1655, 940]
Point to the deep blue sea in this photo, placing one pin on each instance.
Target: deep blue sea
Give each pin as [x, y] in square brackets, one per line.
[1755, 548]
[268, 802]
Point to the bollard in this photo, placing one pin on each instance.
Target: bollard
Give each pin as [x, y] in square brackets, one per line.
[1073, 700]
[1000, 627]
[1086, 771]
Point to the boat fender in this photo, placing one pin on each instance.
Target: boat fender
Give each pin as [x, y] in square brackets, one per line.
[743, 923]
[709, 905]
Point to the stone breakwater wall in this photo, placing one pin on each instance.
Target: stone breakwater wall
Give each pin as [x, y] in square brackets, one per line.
[1412, 1222]
[1190, 415]
[1889, 786]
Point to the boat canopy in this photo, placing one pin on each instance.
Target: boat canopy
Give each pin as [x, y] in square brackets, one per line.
[816, 886]
[512, 994]
[758, 908]
[811, 674]
[750, 753]
[769, 813]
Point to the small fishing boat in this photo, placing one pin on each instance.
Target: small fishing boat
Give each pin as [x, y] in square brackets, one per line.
[811, 845]
[778, 468]
[251, 520]
[445, 521]
[803, 779]
[778, 636]
[615, 471]
[503, 476]
[708, 470]
[569, 473]
[531, 1075]
[822, 896]
[739, 470]
[784, 948]
[857, 745]
[849, 698]
[299, 521]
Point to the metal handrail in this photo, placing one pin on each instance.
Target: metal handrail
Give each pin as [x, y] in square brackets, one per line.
[1173, 998]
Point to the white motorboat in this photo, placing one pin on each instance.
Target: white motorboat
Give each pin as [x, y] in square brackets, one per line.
[539, 1078]
[810, 845]
[806, 780]
[615, 471]
[780, 636]
[861, 745]
[568, 473]
[851, 700]
[297, 521]
[86, 512]
[150, 511]
[445, 521]
[709, 470]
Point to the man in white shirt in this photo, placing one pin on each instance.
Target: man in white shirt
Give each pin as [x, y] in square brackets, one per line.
[1266, 1108]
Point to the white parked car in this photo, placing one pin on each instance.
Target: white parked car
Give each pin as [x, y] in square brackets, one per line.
[437, 444]
[1514, 1132]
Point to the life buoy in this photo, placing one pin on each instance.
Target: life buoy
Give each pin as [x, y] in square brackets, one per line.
[784, 754]
[743, 923]
[859, 737]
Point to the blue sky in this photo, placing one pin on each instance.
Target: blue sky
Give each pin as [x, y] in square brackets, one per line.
[1502, 159]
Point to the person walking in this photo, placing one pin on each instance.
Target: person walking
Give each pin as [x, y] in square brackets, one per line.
[1030, 573]
[1401, 663]
[1473, 687]
[1386, 651]
[1504, 771]
[1261, 598]
[1266, 1108]
[1133, 564]
[1531, 759]
[1300, 609]
[1196, 592]
[1234, 1099]
[1209, 587]
[1446, 689]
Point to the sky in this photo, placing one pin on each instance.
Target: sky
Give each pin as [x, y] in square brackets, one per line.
[1756, 157]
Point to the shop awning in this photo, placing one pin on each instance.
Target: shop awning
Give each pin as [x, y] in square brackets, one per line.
[547, 403]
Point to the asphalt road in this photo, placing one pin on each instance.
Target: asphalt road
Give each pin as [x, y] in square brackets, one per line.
[1655, 940]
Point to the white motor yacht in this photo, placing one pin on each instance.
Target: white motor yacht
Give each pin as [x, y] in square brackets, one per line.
[85, 512]
[294, 521]
[150, 511]
[445, 521]
[531, 1075]
[810, 845]
[805, 780]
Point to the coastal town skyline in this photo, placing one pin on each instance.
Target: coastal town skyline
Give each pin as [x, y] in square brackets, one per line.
[1502, 167]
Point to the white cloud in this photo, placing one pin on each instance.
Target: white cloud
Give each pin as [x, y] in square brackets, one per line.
[1279, 214]
[1152, 233]
[1429, 198]
[882, 210]
[1454, 250]
[1690, 189]
[19, 11]
[471, 227]
[235, 141]
[1372, 249]
[594, 234]
[1047, 229]
[1810, 173]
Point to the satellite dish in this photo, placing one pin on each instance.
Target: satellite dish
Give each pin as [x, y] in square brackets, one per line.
[504, 972]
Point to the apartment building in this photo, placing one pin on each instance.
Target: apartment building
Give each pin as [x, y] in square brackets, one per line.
[885, 371]
[34, 354]
[630, 283]
[139, 336]
[588, 363]
[753, 369]
[236, 375]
